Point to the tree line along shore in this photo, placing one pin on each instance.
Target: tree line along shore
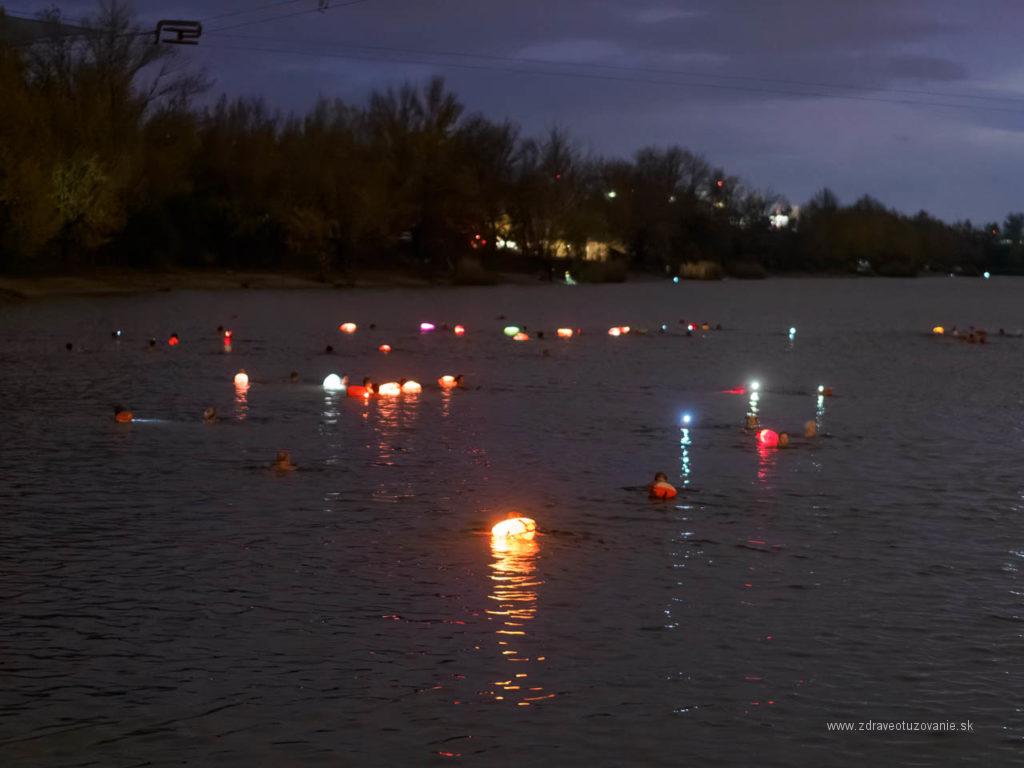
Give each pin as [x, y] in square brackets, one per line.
[108, 163]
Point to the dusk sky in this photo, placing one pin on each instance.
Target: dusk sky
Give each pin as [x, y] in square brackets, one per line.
[790, 95]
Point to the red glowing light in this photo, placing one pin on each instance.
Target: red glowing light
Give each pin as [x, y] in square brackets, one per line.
[720, 183]
[768, 438]
[459, 330]
[735, 391]
[385, 348]
[173, 341]
[227, 336]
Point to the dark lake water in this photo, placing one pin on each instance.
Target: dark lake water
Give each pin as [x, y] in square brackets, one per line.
[165, 599]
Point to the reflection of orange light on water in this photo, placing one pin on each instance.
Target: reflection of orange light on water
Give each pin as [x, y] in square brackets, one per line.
[347, 327]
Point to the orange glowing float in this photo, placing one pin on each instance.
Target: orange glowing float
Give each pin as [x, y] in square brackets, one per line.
[521, 336]
[385, 348]
[358, 390]
[448, 382]
[662, 490]
[522, 528]
[122, 415]
[347, 327]
[768, 438]
[938, 330]
[618, 330]
[411, 387]
[564, 333]
[242, 380]
[389, 389]
[459, 330]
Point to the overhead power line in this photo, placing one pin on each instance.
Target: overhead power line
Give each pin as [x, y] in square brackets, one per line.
[378, 55]
[319, 9]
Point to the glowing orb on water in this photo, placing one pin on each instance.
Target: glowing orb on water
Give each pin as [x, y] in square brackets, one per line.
[676, 280]
[385, 348]
[564, 333]
[174, 340]
[447, 382]
[938, 330]
[412, 388]
[792, 332]
[511, 330]
[821, 389]
[521, 336]
[986, 275]
[459, 330]
[241, 379]
[515, 528]
[389, 389]
[618, 330]
[755, 386]
[687, 418]
[347, 327]
[768, 438]
[426, 327]
[333, 383]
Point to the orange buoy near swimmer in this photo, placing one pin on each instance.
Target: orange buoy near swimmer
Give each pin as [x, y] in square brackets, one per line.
[122, 415]
[450, 382]
[411, 387]
[515, 528]
[661, 488]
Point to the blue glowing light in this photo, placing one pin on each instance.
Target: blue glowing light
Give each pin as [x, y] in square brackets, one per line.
[687, 418]
[676, 279]
[987, 275]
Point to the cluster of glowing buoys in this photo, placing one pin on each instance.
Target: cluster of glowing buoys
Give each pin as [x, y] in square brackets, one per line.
[565, 333]
[334, 383]
[618, 330]
[520, 528]
[348, 327]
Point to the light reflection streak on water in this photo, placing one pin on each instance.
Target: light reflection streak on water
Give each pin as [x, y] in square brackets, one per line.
[765, 462]
[514, 589]
[819, 412]
[753, 404]
[241, 402]
[684, 456]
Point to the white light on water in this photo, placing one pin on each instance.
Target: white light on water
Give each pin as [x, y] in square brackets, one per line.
[792, 332]
[986, 275]
[755, 386]
[333, 383]
[687, 418]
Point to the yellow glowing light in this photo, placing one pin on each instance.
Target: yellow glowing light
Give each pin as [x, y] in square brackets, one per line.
[389, 389]
[938, 330]
[347, 327]
[564, 333]
[241, 379]
[515, 528]
[412, 388]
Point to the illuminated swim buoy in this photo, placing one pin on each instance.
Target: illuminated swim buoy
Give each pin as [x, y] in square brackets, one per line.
[347, 327]
[521, 336]
[123, 416]
[511, 330]
[768, 438]
[173, 341]
[618, 330]
[411, 387]
[447, 382]
[459, 330]
[242, 380]
[334, 383]
[824, 391]
[385, 348]
[938, 330]
[426, 327]
[564, 333]
[663, 490]
[389, 389]
[515, 528]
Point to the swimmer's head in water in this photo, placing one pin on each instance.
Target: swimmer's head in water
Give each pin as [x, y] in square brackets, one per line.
[752, 422]
[69, 346]
[810, 429]
[328, 349]
[660, 477]
[209, 413]
[293, 376]
[783, 439]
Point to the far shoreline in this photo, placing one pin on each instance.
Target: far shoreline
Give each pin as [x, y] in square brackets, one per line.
[105, 283]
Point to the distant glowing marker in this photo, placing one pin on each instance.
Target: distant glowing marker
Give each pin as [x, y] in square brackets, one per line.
[385, 348]
[676, 279]
[755, 386]
[564, 333]
[521, 336]
[511, 330]
[459, 330]
[938, 330]
[768, 438]
[389, 389]
[426, 327]
[347, 327]
[242, 380]
[173, 341]
[792, 333]
[986, 275]
[687, 418]
[412, 388]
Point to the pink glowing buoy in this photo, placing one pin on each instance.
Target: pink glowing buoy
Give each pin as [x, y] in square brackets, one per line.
[521, 336]
[426, 327]
[459, 330]
[768, 438]
[385, 348]
[347, 327]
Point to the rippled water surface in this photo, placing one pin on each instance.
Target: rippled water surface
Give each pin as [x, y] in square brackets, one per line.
[168, 600]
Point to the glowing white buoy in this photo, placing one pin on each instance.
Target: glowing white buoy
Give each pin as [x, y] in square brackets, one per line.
[241, 379]
[676, 279]
[347, 327]
[389, 389]
[986, 275]
[515, 528]
[511, 330]
[333, 383]
[792, 333]
[426, 327]
[564, 333]
[755, 386]
[412, 388]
